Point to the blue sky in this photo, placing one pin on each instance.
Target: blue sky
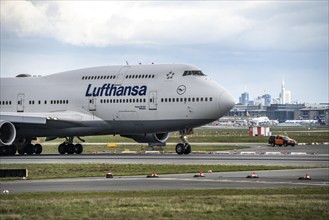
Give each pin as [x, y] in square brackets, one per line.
[243, 45]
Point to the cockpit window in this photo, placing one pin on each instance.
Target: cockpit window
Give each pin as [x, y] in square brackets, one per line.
[193, 73]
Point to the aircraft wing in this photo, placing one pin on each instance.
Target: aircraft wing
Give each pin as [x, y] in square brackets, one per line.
[74, 118]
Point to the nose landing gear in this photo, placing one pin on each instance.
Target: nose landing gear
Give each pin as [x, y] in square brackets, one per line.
[184, 147]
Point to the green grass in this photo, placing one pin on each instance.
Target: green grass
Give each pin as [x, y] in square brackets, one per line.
[203, 135]
[223, 135]
[46, 171]
[292, 203]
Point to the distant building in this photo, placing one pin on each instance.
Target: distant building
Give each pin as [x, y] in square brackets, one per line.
[247, 111]
[244, 99]
[314, 112]
[280, 112]
[283, 112]
[285, 95]
[288, 97]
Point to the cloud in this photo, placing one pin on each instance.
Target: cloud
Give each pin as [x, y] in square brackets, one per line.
[228, 24]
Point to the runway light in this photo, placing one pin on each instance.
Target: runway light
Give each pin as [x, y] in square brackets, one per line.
[200, 174]
[153, 175]
[6, 192]
[253, 175]
[306, 177]
[109, 174]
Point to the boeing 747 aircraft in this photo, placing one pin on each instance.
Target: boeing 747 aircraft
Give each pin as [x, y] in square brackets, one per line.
[142, 102]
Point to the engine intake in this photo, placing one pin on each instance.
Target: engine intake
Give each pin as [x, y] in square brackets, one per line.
[149, 138]
[7, 133]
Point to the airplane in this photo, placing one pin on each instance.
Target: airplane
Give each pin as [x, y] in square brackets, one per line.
[142, 102]
[263, 121]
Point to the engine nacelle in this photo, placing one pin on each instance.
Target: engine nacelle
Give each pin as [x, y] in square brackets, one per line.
[7, 133]
[149, 138]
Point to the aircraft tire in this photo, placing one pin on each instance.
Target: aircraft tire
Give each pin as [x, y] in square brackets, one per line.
[187, 148]
[21, 151]
[70, 149]
[180, 148]
[78, 148]
[62, 148]
[12, 150]
[37, 149]
[4, 151]
[29, 149]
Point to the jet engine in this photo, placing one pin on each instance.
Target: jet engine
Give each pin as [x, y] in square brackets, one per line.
[7, 133]
[149, 138]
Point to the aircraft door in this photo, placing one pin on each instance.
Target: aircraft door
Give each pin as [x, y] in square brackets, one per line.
[153, 100]
[20, 102]
[121, 75]
[92, 104]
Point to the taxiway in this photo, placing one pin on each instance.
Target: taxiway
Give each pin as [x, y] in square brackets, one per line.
[228, 180]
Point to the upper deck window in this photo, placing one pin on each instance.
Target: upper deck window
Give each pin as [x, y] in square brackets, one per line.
[193, 73]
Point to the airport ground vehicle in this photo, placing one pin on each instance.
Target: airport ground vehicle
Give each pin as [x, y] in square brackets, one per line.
[281, 140]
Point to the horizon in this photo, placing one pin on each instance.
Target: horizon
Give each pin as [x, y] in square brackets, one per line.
[240, 45]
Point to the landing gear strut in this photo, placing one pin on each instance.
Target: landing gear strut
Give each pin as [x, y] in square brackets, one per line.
[68, 147]
[184, 147]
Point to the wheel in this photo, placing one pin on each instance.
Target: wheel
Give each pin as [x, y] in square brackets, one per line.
[180, 148]
[4, 150]
[12, 150]
[29, 149]
[293, 145]
[286, 144]
[21, 151]
[187, 149]
[62, 148]
[273, 144]
[37, 149]
[78, 149]
[70, 149]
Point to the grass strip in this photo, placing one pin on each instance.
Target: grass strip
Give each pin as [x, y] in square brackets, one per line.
[47, 171]
[286, 203]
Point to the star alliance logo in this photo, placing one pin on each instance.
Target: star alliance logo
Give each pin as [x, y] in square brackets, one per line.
[170, 75]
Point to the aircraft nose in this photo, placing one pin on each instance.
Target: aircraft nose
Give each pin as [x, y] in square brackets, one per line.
[226, 102]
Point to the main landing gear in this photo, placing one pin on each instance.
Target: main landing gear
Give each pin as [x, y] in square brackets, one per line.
[70, 148]
[22, 146]
[184, 147]
[30, 149]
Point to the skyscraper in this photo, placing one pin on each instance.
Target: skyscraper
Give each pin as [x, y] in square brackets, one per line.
[244, 99]
[285, 95]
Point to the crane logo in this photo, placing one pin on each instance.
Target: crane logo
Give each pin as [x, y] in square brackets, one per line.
[181, 89]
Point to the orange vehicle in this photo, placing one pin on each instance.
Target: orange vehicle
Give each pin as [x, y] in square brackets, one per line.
[281, 140]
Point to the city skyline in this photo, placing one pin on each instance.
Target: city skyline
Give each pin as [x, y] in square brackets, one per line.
[237, 43]
[266, 99]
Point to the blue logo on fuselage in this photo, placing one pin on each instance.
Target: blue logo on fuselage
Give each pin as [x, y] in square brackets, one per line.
[112, 90]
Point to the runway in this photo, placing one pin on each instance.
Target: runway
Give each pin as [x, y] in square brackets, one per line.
[257, 154]
[228, 180]
[304, 156]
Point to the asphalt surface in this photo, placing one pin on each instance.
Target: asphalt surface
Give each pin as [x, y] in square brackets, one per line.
[257, 154]
[228, 180]
[304, 156]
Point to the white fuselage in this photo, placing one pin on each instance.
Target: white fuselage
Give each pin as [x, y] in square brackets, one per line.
[113, 100]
